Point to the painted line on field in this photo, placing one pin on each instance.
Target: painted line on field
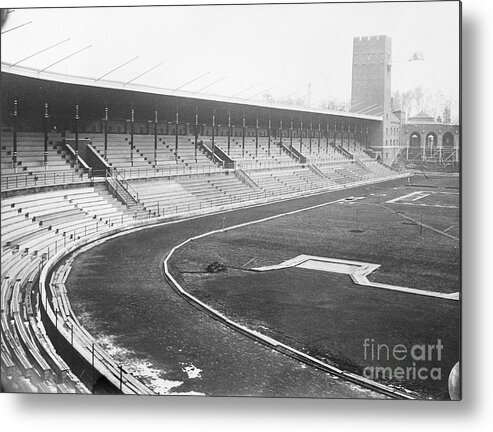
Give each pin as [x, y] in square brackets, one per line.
[409, 195]
[449, 228]
[420, 223]
[426, 205]
[411, 198]
[423, 195]
[358, 271]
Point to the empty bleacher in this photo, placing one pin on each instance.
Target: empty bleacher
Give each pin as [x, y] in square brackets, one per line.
[34, 227]
[324, 154]
[182, 194]
[143, 162]
[30, 168]
[163, 157]
[253, 155]
[119, 154]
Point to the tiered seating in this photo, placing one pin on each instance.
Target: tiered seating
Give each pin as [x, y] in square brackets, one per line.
[204, 191]
[276, 152]
[33, 366]
[219, 190]
[119, 155]
[165, 197]
[33, 227]
[186, 152]
[30, 169]
[232, 187]
[338, 174]
[34, 223]
[167, 161]
[30, 153]
[314, 180]
[379, 169]
[373, 166]
[253, 156]
[292, 179]
[323, 155]
[144, 145]
[235, 151]
[359, 172]
[168, 197]
[356, 149]
[270, 183]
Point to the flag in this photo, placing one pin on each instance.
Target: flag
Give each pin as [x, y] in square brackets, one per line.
[417, 56]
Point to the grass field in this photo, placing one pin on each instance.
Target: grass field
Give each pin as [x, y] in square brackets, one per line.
[326, 314]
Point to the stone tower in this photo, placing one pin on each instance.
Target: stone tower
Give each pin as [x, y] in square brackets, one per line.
[371, 91]
[371, 84]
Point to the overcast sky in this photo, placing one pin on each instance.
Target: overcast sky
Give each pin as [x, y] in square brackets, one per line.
[281, 46]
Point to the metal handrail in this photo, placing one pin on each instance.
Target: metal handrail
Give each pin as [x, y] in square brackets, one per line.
[40, 178]
[245, 178]
[119, 178]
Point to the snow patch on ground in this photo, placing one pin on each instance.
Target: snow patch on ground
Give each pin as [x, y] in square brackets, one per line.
[191, 370]
[140, 368]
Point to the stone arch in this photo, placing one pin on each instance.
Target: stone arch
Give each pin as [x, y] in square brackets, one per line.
[415, 140]
[431, 141]
[448, 140]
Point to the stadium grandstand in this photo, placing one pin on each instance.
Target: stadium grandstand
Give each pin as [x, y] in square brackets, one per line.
[83, 160]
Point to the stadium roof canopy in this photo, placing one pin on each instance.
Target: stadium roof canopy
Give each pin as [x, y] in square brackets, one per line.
[140, 88]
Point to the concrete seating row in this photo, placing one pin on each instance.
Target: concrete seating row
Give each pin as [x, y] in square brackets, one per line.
[325, 153]
[142, 162]
[32, 363]
[119, 153]
[164, 196]
[255, 155]
[231, 186]
[33, 226]
[30, 169]
[30, 154]
[31, 221]
[215, 194]
[161, 157]
[270, 183]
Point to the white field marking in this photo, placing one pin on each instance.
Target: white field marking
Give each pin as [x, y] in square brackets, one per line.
[449, 228]
[249, 261]
[427, 205]
[417, 195]
[423, 195]
[404, 197]
[356, 270]
[420, 223]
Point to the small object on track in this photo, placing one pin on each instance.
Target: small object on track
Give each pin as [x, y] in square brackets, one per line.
[216, 267]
